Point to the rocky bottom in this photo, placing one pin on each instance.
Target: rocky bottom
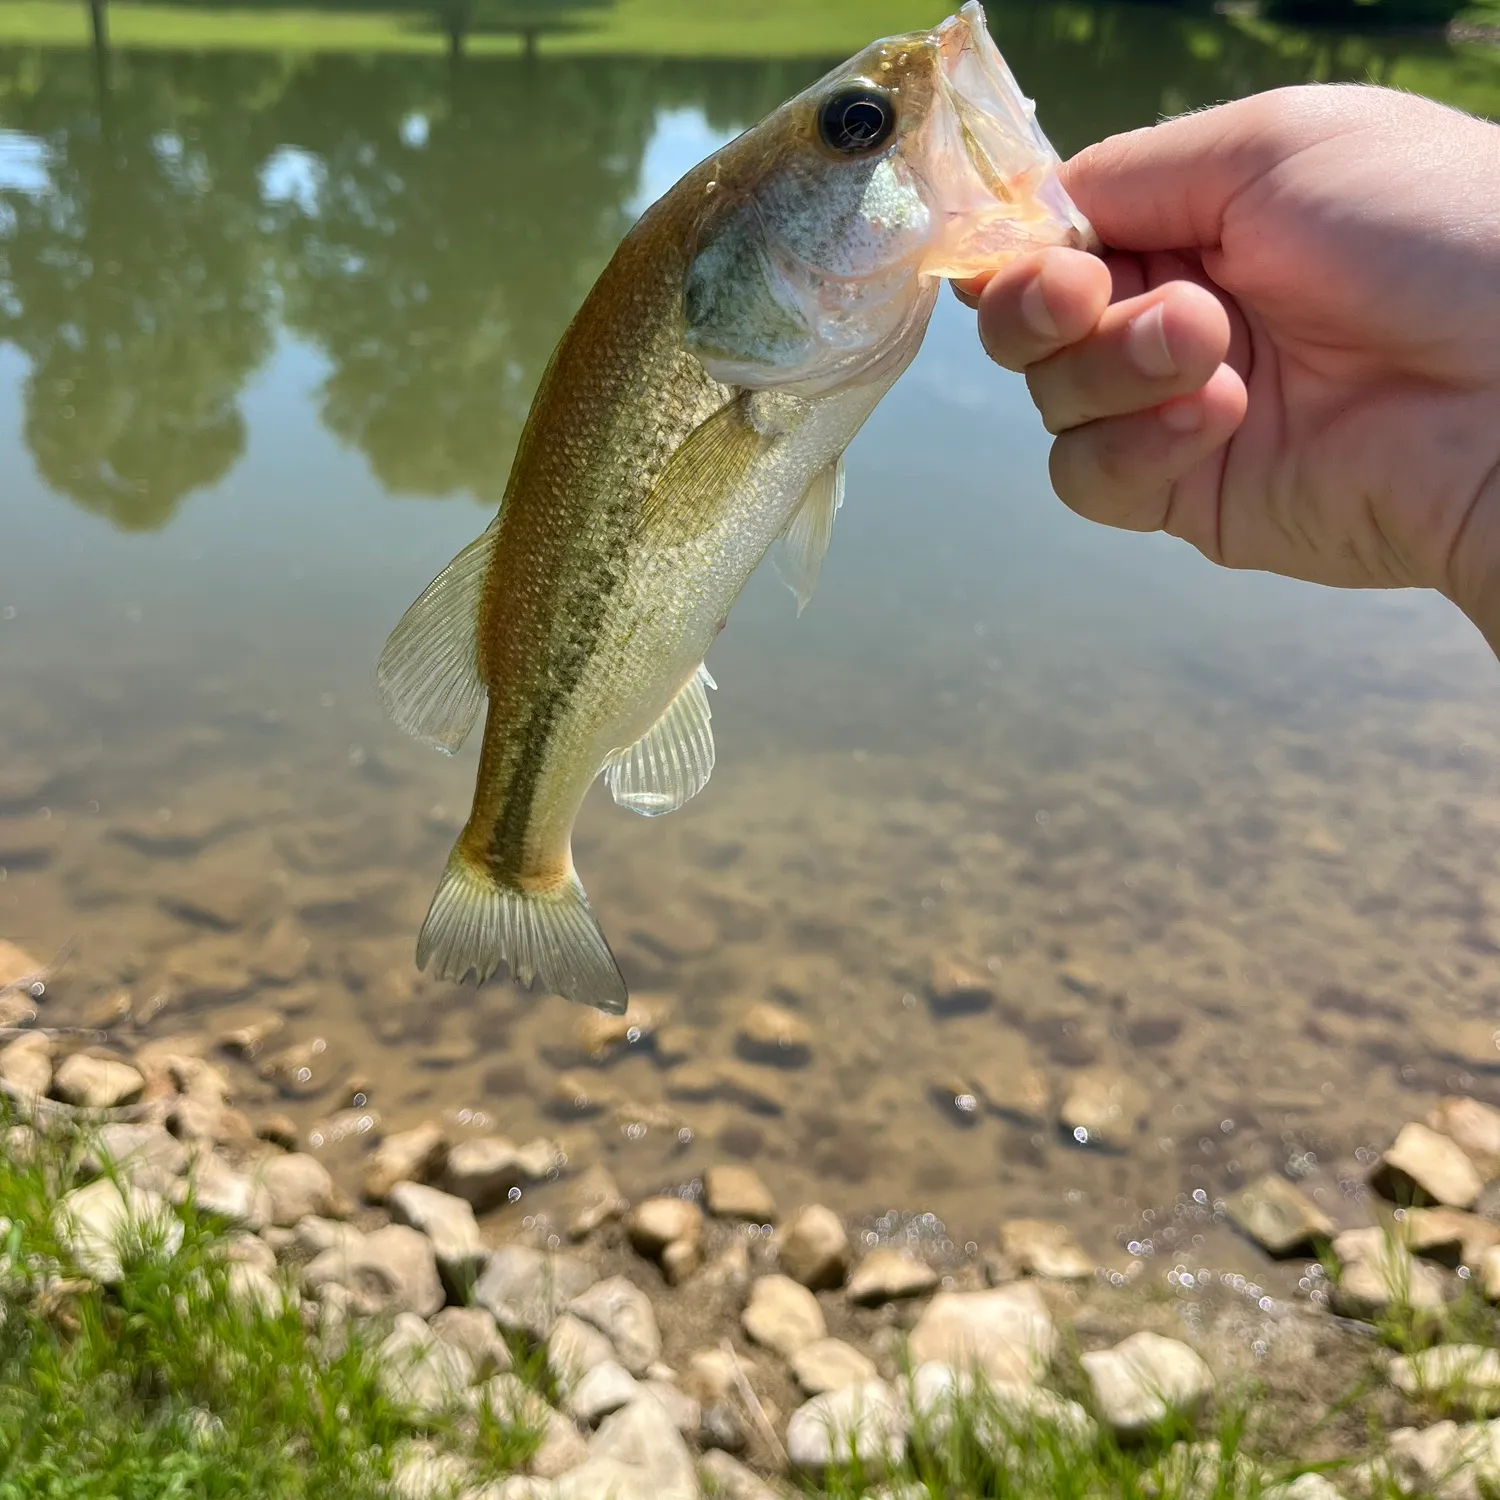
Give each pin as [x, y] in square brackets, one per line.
[701, 1342]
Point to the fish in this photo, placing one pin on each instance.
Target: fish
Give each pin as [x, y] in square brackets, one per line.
[694, 414]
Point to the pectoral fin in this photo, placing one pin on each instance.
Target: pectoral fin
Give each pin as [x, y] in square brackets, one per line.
[710, 465]
[805, 541]
[429, 671]
[673, 760]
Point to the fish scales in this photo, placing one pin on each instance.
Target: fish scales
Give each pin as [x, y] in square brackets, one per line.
[696, 410]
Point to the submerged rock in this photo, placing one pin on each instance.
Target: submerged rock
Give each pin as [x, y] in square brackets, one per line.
[773, 1035]
[1045, 1249]
[26, 1065]
[733, 1192]
[1279, 1217]
[813, 1248]
[1474, 1127]
[1425, 1167]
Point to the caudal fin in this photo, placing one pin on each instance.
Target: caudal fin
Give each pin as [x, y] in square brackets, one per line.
[475, 924]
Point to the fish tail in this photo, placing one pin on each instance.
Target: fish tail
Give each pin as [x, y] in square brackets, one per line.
[477, 922]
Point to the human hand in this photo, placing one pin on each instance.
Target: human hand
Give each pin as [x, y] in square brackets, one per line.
[1290, 356]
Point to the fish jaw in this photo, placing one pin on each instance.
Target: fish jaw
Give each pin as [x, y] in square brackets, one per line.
[991, 173]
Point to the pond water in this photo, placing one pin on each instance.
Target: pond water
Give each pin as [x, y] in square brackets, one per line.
[271, 326]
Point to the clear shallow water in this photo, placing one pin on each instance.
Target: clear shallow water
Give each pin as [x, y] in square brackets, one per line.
[271, 327]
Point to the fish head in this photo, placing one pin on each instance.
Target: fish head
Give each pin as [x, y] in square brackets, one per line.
[824, 228]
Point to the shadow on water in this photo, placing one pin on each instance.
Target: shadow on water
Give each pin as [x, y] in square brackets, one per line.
[429, 228]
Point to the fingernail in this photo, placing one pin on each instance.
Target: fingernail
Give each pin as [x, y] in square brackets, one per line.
[1182, 416]
[1147, 344]
[1035, 313]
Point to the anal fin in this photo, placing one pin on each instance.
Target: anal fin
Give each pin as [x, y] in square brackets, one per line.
[429, 671]
[804, 543]
[673, 760]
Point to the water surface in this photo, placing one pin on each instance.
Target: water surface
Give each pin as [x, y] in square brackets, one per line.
[271, 326]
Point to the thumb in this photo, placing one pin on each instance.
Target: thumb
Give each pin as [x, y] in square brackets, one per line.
[1168, 186]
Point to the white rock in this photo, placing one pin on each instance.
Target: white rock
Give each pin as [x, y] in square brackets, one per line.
[885, 1275]
[1006, 1333]
[526, 1290]
[217, 1188]
[1423, 1165]
[252, 1286]
[407, 1156]
[605, 1388]
[472, 1331]
[727, 1478]
[1377, 1272]
[1474, 1126]
[643, 1436]
[783, 1315]
[299, 1185]
[1144, 1379]
[660, 1222]
[573, 1349]
[1103, 1108]
[313, 1235]
[1465, 1375]
[26, 1064]
[96, 1082]
[1044, 1248]
[939, 1390]
[1453, 1462]
[829, 1364]
[622, 1311]
[607, 1479]
[685, 1414]
[147, 1155]
[392, 1270]
[866, 1421]
[421, 1472]
[449, 1222]
[482, 1171]
[593, 1200]
[1279, 1217]
[733, 1192]
[417, 1369]
[1304, 1487]
[812, 1248]
[95, 1224]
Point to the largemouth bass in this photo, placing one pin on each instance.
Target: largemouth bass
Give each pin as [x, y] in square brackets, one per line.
[696, 411]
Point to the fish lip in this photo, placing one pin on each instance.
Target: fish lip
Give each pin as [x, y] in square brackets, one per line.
[992, 130]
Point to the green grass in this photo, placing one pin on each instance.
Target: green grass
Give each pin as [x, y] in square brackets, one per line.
[168, 1389]
[659, 28]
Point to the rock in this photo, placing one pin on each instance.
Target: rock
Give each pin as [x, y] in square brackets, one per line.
[1103, 1108]
[783, 1315]
[770, 1034]
[659, 1222]
[605, 1388]
[515, 1404]
[540, 1158]
[1489, 1274]
[737, 1193]
[1303, 1487]
[1474, 1127]
[472, 1331]
[527, 1290]
[1459, 1375]
[249, 1033]
[1006, 1411]
[420, 1472]
[419, 1370]
[303, 1070]
[710, 1375]
[684, 1413]
[279, 1129]
[18, 966]
[1018, 1090]
[1280, 1218]
[679, 1260]
[593, 1200]
[96, 1082]
[728, 1479]
[829, 1365]
[254, 1288]
[953, 990]
[312, 1235]
[1449, 1461]
[623, 1313]
[99, 1224]
[748, 1085]
[224, 1191]
[812, 1247]
[299, 1185]
[392, 1270]
[1201, 1471]
[482, 1171]
[1006, 1333]
[146, 1155]
[1145, 1379]
[604, 1479]
[573, 1349]
[449, 1223]
[865, 1421]
[722, 1428]
[1449, 1235]
[886, 1275]
[408, 1156]
[602, 1036]
[643, 1436]
[1378, 1272]
[1425, 1167]
[26, 1065]
[1044, 1249]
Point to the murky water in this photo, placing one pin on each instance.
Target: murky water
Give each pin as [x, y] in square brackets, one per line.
[271, 327]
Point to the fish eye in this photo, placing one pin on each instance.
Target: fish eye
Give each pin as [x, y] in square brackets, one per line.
[857, 120]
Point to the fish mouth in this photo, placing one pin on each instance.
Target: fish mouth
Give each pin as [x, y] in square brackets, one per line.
[993, 173]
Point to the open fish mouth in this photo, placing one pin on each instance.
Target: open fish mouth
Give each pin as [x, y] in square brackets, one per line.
[993, 173]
